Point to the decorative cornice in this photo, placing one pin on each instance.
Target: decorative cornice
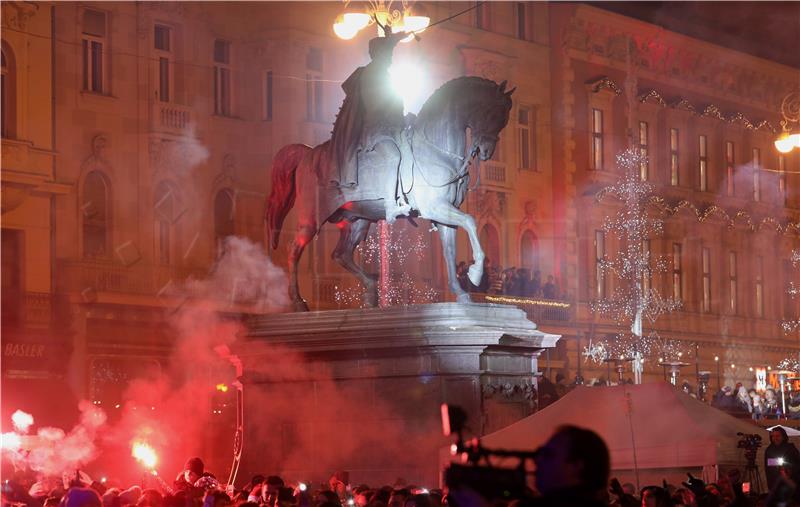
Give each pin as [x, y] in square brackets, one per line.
[652, 96]
[604, 83]
[741, 119]
[682, 104]
[712, 111]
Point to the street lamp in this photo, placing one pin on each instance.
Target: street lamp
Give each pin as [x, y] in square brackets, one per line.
[353, 20]
[790, 135]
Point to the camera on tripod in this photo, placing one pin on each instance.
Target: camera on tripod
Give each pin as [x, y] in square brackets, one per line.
[749, 441]
[476, 472]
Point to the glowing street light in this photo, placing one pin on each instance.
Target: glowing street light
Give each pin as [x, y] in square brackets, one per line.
[790, 136]
[352, 21]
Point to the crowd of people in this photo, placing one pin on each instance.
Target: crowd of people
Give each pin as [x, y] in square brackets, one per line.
[572, 469]
[511, 281]
[767, 403]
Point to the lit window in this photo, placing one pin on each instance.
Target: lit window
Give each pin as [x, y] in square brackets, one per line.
[94, 50]
[782, 180]
[526, 120]
[703, 166]
[599, 255]
[677, 271]
[706, 264]
[314, 97]
[162, 38]
[597, 139]
[266, 113]
[730, 168]
[732, 282]
[644, 169]
[756, 174]
[522, 20]
[759, 286]
[674, 168]
[222, 77]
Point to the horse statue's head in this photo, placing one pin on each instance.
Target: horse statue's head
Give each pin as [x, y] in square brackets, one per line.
[489, 117]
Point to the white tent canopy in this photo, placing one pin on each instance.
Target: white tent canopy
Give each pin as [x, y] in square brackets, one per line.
[790, 432]
[663, 428]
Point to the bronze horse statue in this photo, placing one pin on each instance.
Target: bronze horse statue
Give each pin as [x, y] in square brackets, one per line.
[434, 187]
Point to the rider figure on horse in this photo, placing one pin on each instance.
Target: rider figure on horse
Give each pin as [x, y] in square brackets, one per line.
[372, 113]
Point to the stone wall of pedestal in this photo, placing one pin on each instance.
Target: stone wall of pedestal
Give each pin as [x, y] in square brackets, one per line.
[360, 390]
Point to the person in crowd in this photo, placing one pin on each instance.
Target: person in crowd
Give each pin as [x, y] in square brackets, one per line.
[770, 403]
[743, 401]
[572, 469]
[781, 457]
[549, 290]
[495, 281]
[548, 393]
[536, 284]
[461, 274]
[192, 471]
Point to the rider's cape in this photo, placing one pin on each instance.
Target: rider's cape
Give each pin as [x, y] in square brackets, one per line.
[348, 130]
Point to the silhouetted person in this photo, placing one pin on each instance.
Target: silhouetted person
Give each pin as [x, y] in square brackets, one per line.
[572, 469]
[781, 457]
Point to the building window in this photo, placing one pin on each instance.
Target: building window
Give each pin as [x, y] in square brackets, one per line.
[756, 174]
[314, 98]
[759, 286]
[522, 20]
[526, 121]
[782, 180]
[706, 263]
[8, 92]
[482, 15]
[674, 167]
[165, 207]
[644, 168]
[703, 166]
[95, 213]
[11, 277]
[732, 283]
[677, 271]
[647, 275]
[529, 253]
[94, 49]
[599, 256]
[162, 42]
[266, 112]
[222, 77]
[730, 171]
[224, 211]
[597, 139]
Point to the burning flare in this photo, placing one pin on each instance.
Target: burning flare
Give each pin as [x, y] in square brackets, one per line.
[22, 421]
[145, 454]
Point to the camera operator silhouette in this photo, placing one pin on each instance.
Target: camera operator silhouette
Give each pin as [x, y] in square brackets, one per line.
[781, 457]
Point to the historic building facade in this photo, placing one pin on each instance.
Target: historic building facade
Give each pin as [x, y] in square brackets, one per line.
[137, 136]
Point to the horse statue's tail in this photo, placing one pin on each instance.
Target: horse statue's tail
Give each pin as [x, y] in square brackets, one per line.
[281, 199]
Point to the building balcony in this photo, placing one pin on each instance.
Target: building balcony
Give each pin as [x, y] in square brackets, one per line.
[493, 174]
[171, 119]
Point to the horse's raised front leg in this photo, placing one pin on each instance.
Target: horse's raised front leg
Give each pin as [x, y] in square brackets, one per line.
[443, 212]
[349, 238]
[306, 231]
[447, 234]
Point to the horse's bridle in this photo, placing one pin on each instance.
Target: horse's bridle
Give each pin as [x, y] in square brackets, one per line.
[465, 161]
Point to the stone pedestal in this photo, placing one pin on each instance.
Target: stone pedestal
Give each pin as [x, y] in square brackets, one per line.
[360, 390]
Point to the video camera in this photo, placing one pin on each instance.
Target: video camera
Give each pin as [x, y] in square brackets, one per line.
[476, 472]
[749, 441]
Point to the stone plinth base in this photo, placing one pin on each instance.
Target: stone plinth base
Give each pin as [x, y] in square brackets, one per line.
[360, 390]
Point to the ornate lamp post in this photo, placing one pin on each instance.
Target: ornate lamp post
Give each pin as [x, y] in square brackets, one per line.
[355, 19]
[790, 136]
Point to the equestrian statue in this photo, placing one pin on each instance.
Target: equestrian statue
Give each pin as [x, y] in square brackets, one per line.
[380, 164]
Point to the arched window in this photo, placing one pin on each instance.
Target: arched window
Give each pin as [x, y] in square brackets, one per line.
[96, 216]
[529, 251]
[223, 217]
[165, 207]
[9, 93]
[490, 241]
